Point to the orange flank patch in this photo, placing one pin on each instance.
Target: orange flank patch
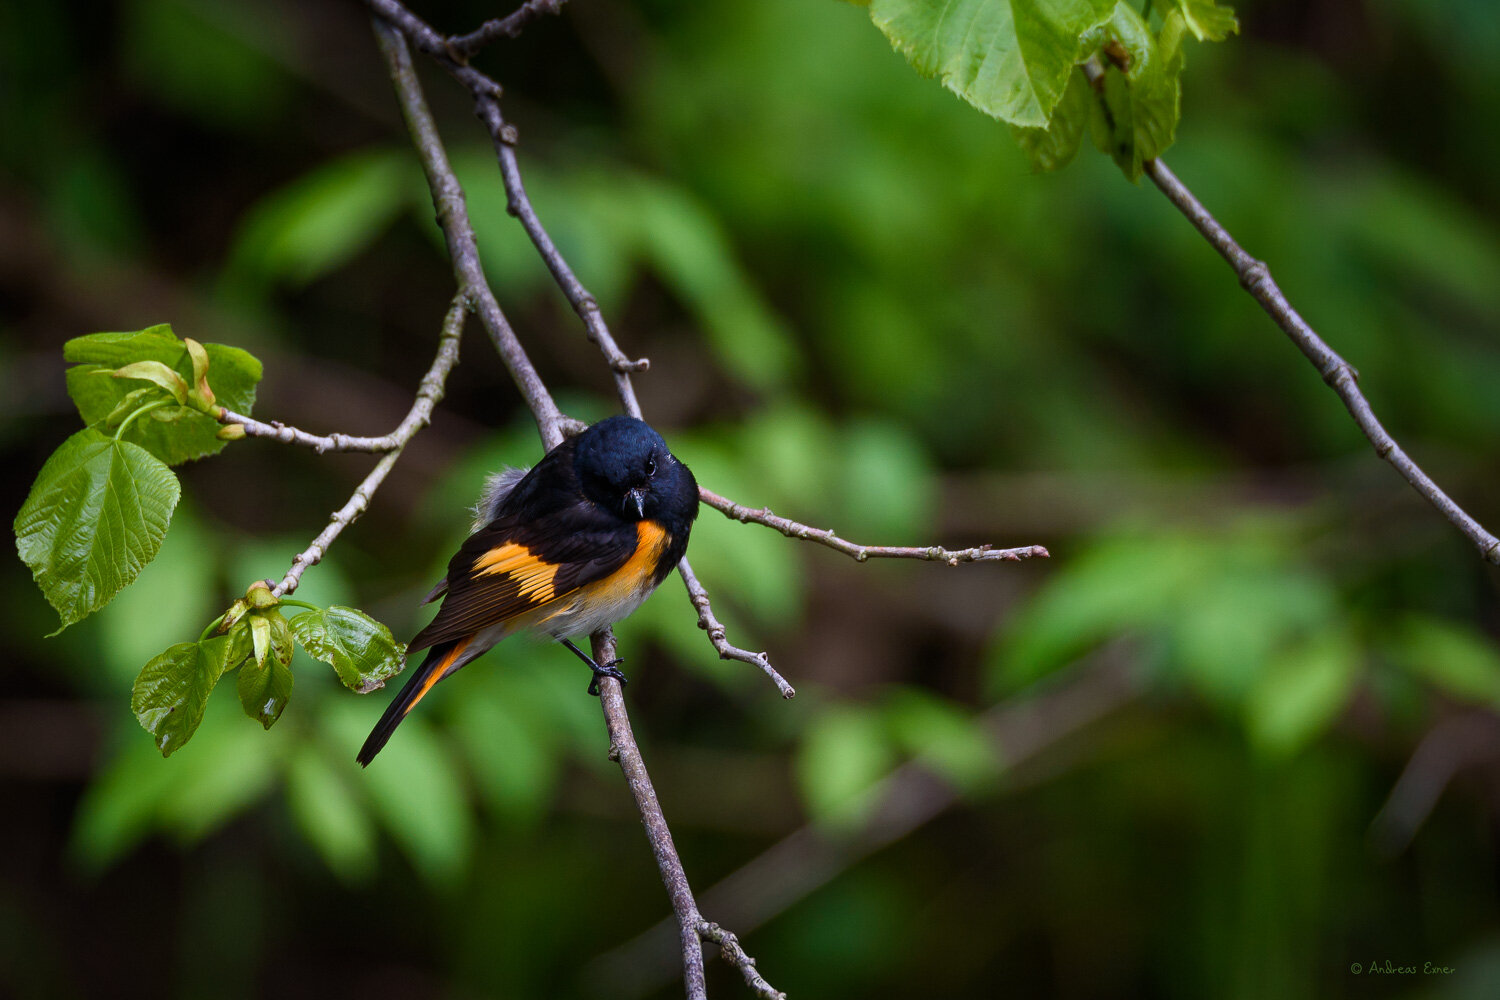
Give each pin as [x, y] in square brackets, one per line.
[635, 575]
[438, 672]
[533, 576]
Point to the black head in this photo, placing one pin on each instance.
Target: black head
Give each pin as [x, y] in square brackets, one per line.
[625, 466]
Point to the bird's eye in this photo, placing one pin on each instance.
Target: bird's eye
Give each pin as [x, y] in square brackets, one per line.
[651, 466]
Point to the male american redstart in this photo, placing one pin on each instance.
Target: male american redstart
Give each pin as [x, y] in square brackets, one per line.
[573, 545]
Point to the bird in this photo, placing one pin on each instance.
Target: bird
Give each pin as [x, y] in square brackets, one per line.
[576, 543]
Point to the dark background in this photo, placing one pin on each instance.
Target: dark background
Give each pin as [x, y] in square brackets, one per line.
[863, 310]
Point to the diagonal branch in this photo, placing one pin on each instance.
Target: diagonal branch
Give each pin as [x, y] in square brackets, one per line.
[1342, 378]
[428, 394]
[860, 553]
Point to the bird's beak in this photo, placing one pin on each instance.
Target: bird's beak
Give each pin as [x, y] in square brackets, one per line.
[638, 497]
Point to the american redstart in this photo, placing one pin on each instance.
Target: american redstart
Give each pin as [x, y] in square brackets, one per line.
[571, 546]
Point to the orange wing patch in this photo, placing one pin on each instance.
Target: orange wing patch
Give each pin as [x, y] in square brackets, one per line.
[534, 578]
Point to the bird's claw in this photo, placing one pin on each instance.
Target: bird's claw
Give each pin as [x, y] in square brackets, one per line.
[606, 670]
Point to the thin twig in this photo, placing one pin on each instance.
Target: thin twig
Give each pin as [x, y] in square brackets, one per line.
[731, 952]
[428, 394]
[453, 217]
[716, 632]
[860, 553]
[463, 47]
[448, 196]
[1021, 729]
[624, 751]
[487, 107]
[1341, 377]
[1255, 278]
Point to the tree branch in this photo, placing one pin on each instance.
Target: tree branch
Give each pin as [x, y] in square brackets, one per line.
[860, 553]
[429, 392]
[1022, 729]
[452, 217]
[1255, 278]
[1342, 378]
[716, 632]
[464, 47]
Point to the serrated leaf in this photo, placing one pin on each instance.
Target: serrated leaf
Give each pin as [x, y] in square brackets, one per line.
[1136, 120]
[1207, 20]
[95, 516]
[1009, 58]
[361, 650]
[233, 376]
[170, 694]
[1053, 147]
[227, 652]
[265, 686]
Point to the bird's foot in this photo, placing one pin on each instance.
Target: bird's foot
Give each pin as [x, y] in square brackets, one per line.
[607, 670]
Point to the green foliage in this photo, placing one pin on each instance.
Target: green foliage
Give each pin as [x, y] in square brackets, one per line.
[1016, 60]
[1010, 59]
[95, 516]
[321, 220]
[1135, 118]
[845, 751]
[107, 368]
[255, 638]
[361, 650]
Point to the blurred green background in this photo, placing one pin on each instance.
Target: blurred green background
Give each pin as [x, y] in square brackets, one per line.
[1237, 736]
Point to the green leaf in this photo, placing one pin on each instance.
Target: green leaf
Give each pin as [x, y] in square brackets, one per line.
[322, 219]
[1456, 659]
[1207, 20]
[233, 377]
[1300, 692]
[95, 516]
[228, 652]
[945, 737]
[155, 371]
[1136, 120]
[361, 650]
[843, 755]
[330, 815]
[171, 692]
[1054, 146]
[1009, 58]
[264, 687]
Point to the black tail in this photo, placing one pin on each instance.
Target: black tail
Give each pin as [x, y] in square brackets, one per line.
[433, 669]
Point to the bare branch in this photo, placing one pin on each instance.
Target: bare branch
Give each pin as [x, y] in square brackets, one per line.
[731, 952]
[623, 750]
[453, 217]
[1256, 279]
[860, 553]
[1342, 378]
[463, 47]
[716, 633]
[428, 394]
[1022, 729]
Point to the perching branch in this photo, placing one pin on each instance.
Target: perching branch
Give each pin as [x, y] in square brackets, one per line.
[428, 394]
[1342, 378]
[860, 553]
[448, 195]
[1022, 729]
